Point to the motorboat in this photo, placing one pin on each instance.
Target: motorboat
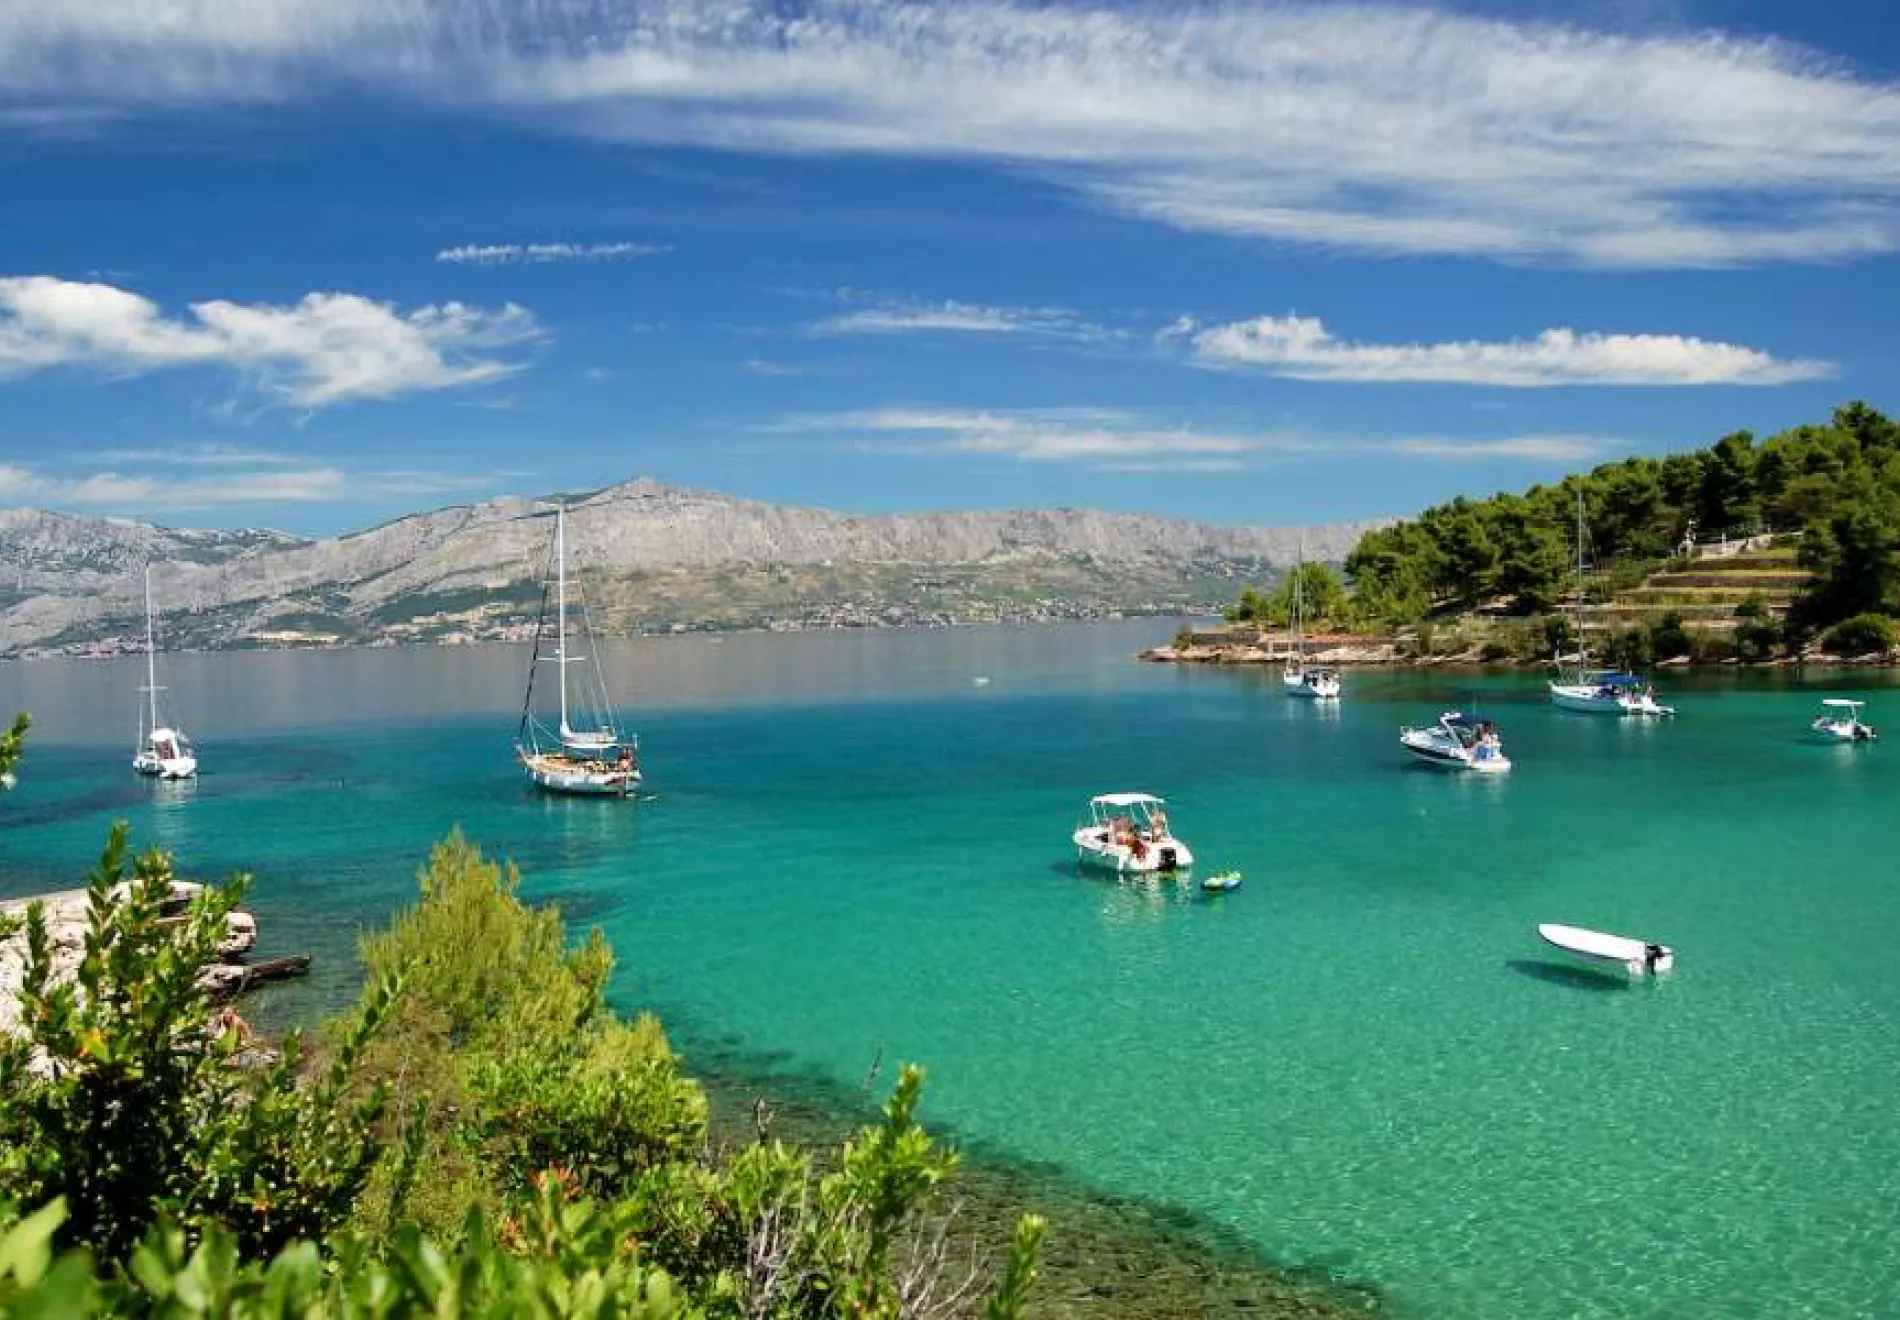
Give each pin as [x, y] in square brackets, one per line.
[1607, 692]
[1599, 692]
[162, 749]
[1458, 743]
[1128, 833]
[1637, 957]
[1840, 720]
[584, 753]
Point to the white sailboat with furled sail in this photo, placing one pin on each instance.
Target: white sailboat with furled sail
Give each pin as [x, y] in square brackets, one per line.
[162, 749]
[1298, 678]
[1599, 691]
[585, 753]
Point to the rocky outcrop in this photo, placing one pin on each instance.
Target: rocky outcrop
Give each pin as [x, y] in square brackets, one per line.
[655, 556]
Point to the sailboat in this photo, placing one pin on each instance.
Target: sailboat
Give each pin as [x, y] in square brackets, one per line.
[1297, 677]
[1599, 691]
[594, 759]
[162, 750]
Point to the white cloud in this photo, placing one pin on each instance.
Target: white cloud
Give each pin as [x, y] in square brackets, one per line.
[1382, 128]
[1132, 441]
[1097, 438]
[123, 490]
[111, 490]
[906, 316]
[536, 254]
[1302, 348]
[205, 455]
[777, 370]
[1537, 448]
[328, 348]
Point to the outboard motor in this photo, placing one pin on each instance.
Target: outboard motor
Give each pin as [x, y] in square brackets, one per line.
[1167, 860]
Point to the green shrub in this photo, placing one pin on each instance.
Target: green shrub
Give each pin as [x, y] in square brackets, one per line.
[1757, 639]
[1711, 648]
[122, 1096]
[1863, 634]
[1668, 638]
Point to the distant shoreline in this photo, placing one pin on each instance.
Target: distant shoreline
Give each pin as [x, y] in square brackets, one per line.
[1387, 656]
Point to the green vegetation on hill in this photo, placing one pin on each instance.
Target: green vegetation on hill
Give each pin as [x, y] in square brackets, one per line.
[481, 1136]
[1829, 494]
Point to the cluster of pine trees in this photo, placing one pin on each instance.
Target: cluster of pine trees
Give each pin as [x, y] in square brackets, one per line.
[1835, 486]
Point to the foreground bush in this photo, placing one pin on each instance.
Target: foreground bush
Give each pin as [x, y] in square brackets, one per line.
[1864, 634]
[543, 1157]
[121, 1095]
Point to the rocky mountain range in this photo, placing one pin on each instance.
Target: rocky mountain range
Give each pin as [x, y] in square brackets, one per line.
[647, 558]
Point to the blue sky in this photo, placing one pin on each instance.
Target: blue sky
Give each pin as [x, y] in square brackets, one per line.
[314, 263]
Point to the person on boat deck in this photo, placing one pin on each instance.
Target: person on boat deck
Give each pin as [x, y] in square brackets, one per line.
[1158, 824]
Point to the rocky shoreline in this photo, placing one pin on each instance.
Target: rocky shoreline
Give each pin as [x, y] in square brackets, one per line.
[1397, 653]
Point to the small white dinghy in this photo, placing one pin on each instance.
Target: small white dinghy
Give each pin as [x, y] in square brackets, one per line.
[1638, 957]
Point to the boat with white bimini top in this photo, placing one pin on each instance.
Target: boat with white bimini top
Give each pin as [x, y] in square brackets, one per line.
[593, 759]
[1638, 957]
[1297, 678]
[1128, 833]
[1840, 720]
[1458, 743]
[1599, 692]
[162, 748]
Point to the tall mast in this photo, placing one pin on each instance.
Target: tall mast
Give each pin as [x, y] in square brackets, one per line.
[1299, 602]
[151, 651]
[1579, 610]
[560, 596]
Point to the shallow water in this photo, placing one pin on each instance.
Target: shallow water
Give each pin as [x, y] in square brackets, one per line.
[1364, 1057]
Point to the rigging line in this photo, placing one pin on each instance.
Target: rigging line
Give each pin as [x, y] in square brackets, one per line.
[534, 658]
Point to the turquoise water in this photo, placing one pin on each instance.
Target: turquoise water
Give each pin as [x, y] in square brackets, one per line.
[1362, 1058]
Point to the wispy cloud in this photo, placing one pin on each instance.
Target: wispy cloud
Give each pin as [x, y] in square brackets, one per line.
[1536, 448]
[538, 254]
[773, 370]
[125, 490]
[204, 455]
[328, 348]
[1133, 441]
[909, 316]
[1099, 439]
[1302, 348]
[1372, 128]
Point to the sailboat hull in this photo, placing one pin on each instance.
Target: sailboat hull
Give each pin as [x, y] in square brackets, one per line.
[555, 774]
[1586, 698]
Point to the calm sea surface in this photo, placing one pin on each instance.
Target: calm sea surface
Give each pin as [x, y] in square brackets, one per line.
[1362, 1058]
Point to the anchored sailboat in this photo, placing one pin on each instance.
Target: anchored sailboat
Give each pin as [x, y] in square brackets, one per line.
[1297, 677]
[162, 749]
[1594, 691]
[593, 759]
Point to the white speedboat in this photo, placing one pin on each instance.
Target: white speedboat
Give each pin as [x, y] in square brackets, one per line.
[162, 750]
[1607, 693]
[1458, 743]
[592, 760]
[1128, 833]
[1840, 720]
[1637, 957]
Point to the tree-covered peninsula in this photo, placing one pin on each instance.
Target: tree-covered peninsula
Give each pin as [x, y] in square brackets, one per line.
[1745, 550]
